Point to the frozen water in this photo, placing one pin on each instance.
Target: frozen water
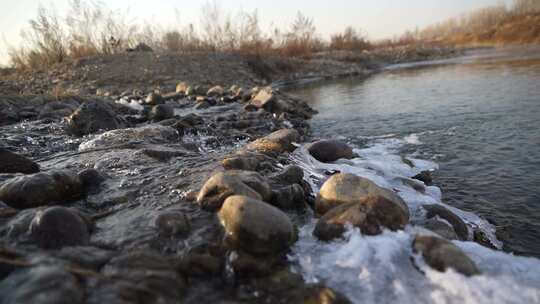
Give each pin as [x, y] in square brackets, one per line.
[380, 269]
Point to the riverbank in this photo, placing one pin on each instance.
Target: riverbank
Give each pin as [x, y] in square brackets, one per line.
[193, 192]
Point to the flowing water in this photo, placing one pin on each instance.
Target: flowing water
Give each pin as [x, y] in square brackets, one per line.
[475, 121]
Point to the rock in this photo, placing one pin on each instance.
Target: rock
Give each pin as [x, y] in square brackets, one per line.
[277, 142]
[215, 91]
[425, 177]
[182, 87]
[150, 271]
[284, 286]
[202, 105]
[343, 188]
[92, 117]
[442, 228]
[171, 223]
[172, 96]
[255, 226]
[56, 227]
[199, 90]
[240, 163]
[457, 223]
[41, 285]
[370, 214]
[246, 265]
[327, 151]
[161, 112]
[236, 91]
[86, 256]
[481, 238]
[264, 98]
[14, 163]
[441, 254]
[290, 175]
[41, 189]
[225, 184]
[255, 181]
[289, 197]
[163, 154]
[154, 99]
[149, 134]
[250, 108]
[91, 178]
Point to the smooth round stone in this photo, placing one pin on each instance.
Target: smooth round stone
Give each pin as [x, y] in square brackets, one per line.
[56, 227]
[172, 223]
[255, 226]
[441, 254]
[344, 188]
[327, 151]
[41, 189]
[14, 163]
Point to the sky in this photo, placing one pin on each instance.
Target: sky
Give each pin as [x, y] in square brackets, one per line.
[378, 18]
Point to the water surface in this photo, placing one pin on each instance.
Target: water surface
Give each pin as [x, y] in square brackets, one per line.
[477, 117]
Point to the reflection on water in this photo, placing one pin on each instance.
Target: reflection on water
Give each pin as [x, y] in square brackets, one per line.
[478, 117]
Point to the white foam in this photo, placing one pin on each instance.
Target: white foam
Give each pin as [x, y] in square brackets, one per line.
[412, 139]
[134, 104]
[377, 269]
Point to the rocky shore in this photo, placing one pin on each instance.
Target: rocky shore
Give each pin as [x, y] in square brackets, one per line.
[183, 193]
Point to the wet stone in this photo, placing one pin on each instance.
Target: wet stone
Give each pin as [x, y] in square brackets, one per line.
[240, 163]
[91, 178]
[151, 271]
[441, 254]
[181, 87]
[457, 223]
[343, 188]
[289, 198]
[163, 153]
[41, 189]
[441, 227]
[41, 285]
[161, 112]
[201, 263]
[425, 177]
[225, 184]
[255, 226]
[14, 163]
[150, 134]
[57, 227]
[215, 91]
[154, 99]
[370, 214]
[86, 256]
[289, 176]
[171, 223]
[277, 142]
[327, 151]
[92, 117]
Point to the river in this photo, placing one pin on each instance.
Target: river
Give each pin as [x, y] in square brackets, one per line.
[477, 117]
[475, 122]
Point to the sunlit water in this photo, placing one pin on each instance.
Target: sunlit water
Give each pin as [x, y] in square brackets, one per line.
[476, 120]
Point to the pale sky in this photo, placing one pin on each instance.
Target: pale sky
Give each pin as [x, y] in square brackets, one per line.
[379, 18]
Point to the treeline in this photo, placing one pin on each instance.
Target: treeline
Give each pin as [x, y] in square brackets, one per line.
[90, 28]
[481, 24]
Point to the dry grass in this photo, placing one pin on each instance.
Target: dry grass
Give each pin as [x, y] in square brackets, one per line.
[490, 25]
[90, 28]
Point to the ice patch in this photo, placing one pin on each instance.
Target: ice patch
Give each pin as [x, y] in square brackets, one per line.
[412, 139]
[378, 269]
